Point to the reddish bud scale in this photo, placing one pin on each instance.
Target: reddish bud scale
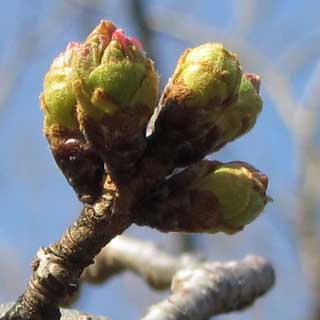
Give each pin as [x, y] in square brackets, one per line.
[125, 40]
[80, 164]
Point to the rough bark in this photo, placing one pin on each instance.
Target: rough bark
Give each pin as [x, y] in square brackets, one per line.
[56, 269]
[66, 314]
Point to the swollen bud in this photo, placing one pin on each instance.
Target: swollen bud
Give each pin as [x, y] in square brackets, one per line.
[206, 77]
[206, 81]
[206, 197]
[116, 94]
[82, 167]
[58, 100]
[236, 192]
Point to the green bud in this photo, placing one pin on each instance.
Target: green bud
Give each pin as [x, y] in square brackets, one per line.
[237, 192]
[116, 93]
[115, 76]
[81, 165]
[206, 81]
[58, 100]
[240, 117]
[236, 120]
[209, 74]
[104, 87]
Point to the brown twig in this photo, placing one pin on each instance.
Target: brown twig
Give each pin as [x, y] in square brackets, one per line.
[66, 314]
[57, 268]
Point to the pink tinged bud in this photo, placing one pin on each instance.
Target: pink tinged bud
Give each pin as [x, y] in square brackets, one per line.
[103, 31]
[104, 39]
[136, 42]
[126, 41]
[72, 46]
[120, 36]
[254, 79]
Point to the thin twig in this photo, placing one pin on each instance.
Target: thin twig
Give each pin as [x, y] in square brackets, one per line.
[57, 269]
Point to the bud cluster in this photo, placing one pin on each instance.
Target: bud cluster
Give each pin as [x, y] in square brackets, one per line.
[97, 99]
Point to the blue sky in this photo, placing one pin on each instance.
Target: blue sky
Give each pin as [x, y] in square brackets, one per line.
[37, 204]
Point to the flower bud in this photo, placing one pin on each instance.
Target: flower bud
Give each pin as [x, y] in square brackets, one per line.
[82, 167]
[97, 98]
[206, 197]
[235, 191]
[116, 93]
[205, 82]
[236, 120]
[58, 100]
[207, 76]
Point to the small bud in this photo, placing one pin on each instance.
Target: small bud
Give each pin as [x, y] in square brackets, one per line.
[58, 100]
[240, 117]
[236, 192]
[207, 76]
[236, 120]
[82, 167]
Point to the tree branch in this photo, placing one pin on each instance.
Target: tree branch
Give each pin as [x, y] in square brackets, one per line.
[200, 292]
[57, 269]
[141, 257]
